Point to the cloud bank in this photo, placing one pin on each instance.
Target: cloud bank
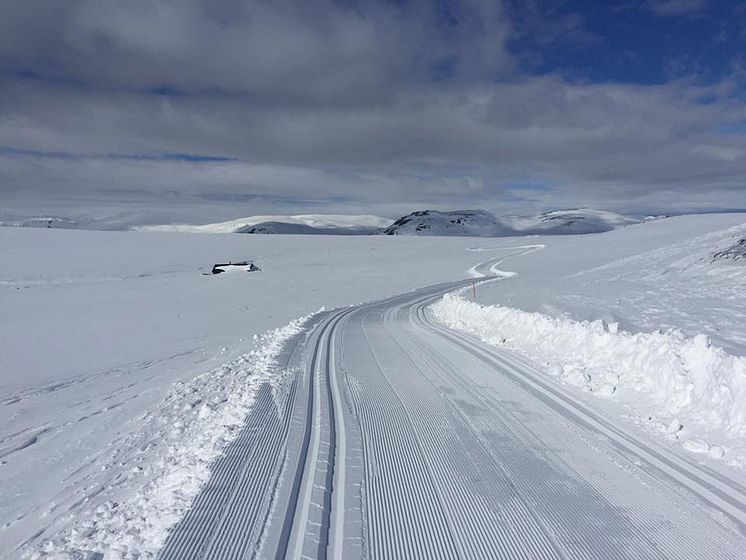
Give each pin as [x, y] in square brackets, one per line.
[375, 106]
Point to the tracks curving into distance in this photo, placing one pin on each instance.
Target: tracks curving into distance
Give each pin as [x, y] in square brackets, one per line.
[399, 438]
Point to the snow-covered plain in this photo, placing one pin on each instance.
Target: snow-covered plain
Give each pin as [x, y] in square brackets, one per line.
[105, 335]
[125, 370]
[660, 274]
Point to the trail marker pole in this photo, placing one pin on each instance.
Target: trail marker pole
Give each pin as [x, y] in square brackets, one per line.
[474, 289]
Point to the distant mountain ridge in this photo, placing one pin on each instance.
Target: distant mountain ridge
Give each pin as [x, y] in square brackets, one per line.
[276, 227]
[480, 223]
[464, 223]
[471, 223]
[339, 224]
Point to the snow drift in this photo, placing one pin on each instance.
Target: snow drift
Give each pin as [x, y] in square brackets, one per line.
[685, 379]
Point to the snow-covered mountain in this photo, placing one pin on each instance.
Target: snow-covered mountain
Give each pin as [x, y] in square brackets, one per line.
[480, 223]
[463, 223]
[41, 222]
[466, 223]
[342, 224]
[275, 227]
[563, 222]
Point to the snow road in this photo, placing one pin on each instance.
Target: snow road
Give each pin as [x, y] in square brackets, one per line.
[399, 438]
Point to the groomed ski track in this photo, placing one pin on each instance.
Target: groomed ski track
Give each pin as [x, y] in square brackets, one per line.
[394, 437]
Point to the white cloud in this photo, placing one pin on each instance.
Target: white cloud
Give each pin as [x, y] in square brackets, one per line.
[324, 104]
[676, 7]
[721, 153]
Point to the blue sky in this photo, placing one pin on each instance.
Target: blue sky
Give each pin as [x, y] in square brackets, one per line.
[639, 42]
[201, 110]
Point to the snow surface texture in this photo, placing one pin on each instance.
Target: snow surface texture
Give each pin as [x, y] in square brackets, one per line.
[166, 463]
[691, 383]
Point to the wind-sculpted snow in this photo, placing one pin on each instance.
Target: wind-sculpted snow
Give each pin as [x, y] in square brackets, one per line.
[178, 445]
[686, 381]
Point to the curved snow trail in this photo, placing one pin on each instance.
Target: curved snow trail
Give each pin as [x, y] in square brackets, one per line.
[489, 268]
[404, 439]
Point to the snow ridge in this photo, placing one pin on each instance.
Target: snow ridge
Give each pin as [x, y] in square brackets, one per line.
[171, 456]
[699, 389]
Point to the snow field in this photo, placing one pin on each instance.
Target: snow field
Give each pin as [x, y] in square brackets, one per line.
[100, 325]
[181, 438]
[97, 327]
[698, 388]
[662, 274]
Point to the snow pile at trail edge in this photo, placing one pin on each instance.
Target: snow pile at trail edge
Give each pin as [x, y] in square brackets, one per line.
[691, 383]
[171, 455]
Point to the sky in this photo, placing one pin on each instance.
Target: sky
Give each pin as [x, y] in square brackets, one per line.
[199, 110]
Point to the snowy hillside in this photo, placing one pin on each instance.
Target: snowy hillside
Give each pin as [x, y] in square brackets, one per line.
[651, 317]
[50, 222]
[562, 222]
[301, 223]
[480, 223]
[467, 223]
[304, 229]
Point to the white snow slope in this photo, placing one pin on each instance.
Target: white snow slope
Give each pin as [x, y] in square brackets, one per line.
[675, 293]
[124, 371]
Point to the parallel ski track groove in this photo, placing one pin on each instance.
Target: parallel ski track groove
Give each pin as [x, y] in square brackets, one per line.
[285, 534]
[532, 528]
[571, 533]
[306, 473]
[428, 477]
[390, 532]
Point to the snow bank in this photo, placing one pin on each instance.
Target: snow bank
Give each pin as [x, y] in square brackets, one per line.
[166, 463]
[685, 379]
